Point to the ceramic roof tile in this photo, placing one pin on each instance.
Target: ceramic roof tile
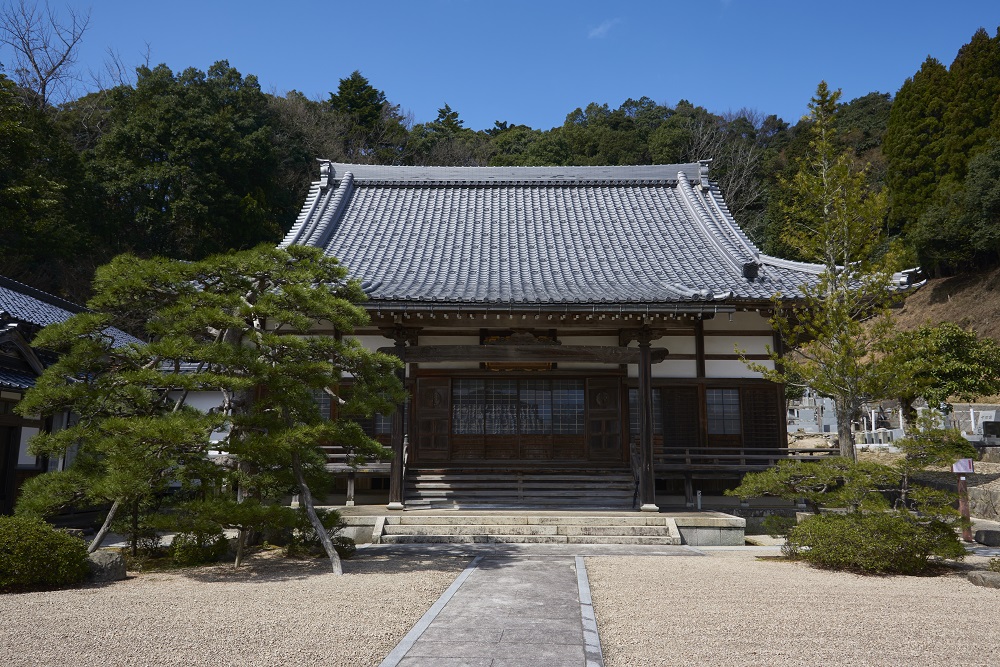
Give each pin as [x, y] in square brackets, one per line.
[22, 303]
[554, 235]
[11, 379]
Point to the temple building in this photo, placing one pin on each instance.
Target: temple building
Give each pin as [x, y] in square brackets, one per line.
[571, 335]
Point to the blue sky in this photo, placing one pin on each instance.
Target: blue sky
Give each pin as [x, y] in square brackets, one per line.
[534, 62]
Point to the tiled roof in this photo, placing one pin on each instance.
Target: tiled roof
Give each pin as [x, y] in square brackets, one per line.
[23, 303]
[11, 379]
[517, 236]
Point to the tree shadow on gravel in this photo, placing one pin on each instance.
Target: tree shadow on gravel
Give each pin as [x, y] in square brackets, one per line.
[269, 567]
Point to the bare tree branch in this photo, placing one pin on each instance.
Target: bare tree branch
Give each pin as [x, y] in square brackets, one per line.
[45, 48]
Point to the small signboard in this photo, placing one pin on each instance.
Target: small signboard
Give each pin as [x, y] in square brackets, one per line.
[962, 465]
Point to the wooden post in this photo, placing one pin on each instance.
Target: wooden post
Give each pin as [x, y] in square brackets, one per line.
[401, 336]
[647, 482]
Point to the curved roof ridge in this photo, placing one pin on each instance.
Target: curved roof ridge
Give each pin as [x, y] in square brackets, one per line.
[294, 234]
[333, 209]
[727, 223]
[476, 175]
[704, 222]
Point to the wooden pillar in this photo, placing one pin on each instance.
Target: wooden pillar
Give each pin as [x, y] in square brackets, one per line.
[401, 336]
[647, 482]
[396, 435]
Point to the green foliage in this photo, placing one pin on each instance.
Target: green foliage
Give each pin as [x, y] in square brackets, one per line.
[187, 164]
[777, 525]
[873, 542]
[34, 555]
[941, 159]
[374, 130]
[835, 219]
[944, 361]
[891, 526]
[830, 481]
[196, 548]
[994, 565]
[45, 495]
[300, 538]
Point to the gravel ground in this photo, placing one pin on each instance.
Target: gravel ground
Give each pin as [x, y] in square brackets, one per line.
[732, 609]
[272, 612]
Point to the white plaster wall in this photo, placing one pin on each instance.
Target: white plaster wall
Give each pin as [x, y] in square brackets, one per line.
[672, 368]
[23, 457]
[677, 344]
[731, 369]
[373, 343]
[729, 344]
[744, 320]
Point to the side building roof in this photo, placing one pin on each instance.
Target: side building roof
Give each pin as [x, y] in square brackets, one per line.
[657, 237]
[22, 304]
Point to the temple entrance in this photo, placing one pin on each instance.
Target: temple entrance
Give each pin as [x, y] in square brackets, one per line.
[521, 420]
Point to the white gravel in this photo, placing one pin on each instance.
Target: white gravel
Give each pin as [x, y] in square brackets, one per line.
[271, 612]
[731, 609]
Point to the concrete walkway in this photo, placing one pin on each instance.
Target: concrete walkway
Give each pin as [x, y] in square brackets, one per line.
[513, 606]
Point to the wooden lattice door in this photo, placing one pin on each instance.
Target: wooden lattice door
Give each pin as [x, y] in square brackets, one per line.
[433, 412]
[604, 419]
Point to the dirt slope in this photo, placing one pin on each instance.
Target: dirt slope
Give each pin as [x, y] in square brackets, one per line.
[971, 300]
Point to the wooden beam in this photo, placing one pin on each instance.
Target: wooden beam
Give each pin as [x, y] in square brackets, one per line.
[553, 353]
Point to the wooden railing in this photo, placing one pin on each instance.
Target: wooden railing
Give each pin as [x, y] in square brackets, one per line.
[732, 459]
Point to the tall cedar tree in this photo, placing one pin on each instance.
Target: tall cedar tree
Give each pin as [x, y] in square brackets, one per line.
[835, 219]
[238, 323]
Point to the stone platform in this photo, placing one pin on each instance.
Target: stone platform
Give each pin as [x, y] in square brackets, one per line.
[375, 524]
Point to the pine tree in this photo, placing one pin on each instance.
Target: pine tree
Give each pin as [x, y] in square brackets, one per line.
[835, 219]
[235, 324]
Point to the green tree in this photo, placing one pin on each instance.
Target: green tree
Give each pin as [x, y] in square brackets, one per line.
[886, 505]
[447, 142]
[375, 129]
[913, 142]
[834, 218]
[187, 164]
[944, 361]
[242, 320]
[132, 437]
[45, 205]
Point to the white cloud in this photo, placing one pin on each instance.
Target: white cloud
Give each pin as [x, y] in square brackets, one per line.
[602, 30]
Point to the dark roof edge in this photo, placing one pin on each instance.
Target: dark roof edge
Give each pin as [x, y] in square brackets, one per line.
[679, 307]
[569, 175]
[45, 297]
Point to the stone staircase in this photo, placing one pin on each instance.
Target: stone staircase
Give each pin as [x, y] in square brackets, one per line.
[498, 489]
[650, 529]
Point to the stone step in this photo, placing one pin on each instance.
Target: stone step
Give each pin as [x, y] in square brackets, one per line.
[469, 484]
[622, 539]
[615, 531]
[495, 519]
[474, 539]
[477, 529]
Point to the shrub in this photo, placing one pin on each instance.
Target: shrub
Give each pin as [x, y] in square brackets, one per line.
[873, 542]
[34, 555]
[199, 547]
[994, 565]
[303, 537]
[776, 525]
